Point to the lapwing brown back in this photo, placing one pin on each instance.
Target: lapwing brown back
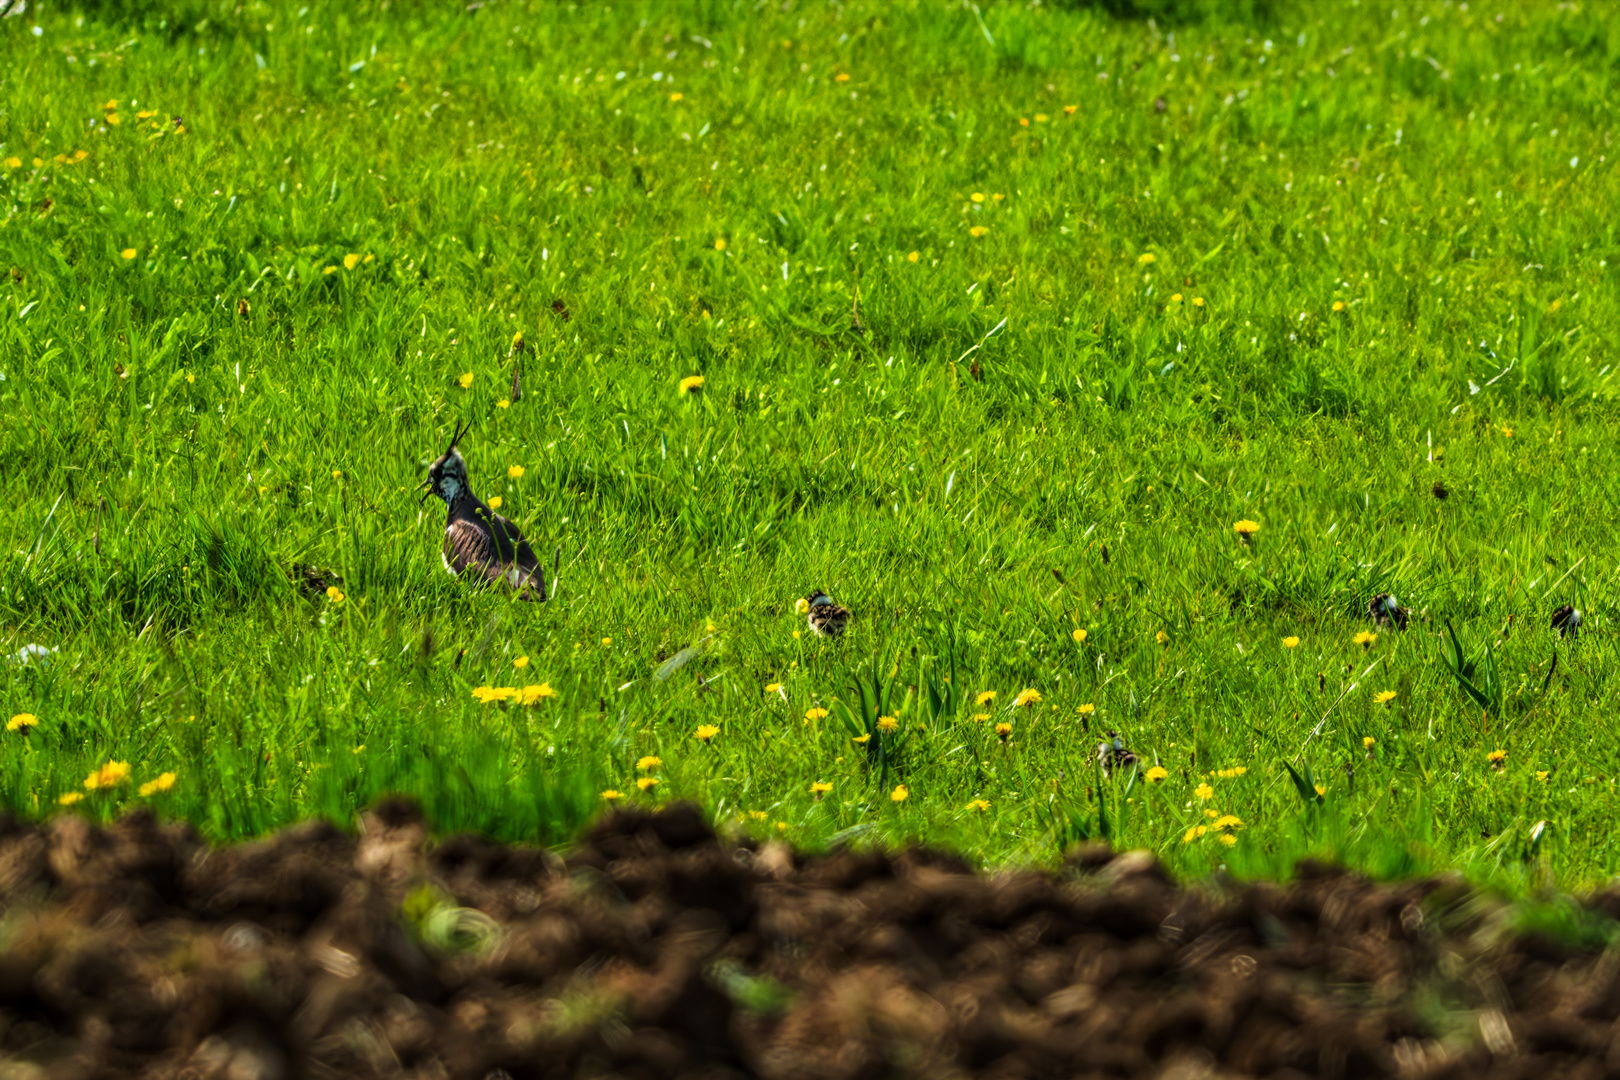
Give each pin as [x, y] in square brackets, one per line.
[480, 542]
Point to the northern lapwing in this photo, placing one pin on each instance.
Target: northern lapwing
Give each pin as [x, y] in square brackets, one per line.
[1567, 621]
[826, 618]
[479, 543]
[1386, 612]
[1112, 755]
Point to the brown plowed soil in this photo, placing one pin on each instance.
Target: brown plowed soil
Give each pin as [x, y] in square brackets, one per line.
[656, 949]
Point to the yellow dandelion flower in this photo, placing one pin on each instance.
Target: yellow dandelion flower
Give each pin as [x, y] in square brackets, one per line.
[1192, 834]
[1086, 710]
[771, 688]
[646, 782]
[1228, 839]
[1228, 821]
[758, 815]
[22, 721]
[1023, 121]
[521, 662]
[795, 635]
[985, 698]
[980, 717]
[1366, 639]
[515, 472]
[1156, 774]
[504, 403]
[1234, 771]
[606, 642]
[979, 805]
[1198, 301]
[162, 782]
[1175, 298]
[864, 739]
[691, 383]
[350, 261]
[127, 254]
[334, 594]
[1212, 814]
[1162, 638]
[534, 694]
[978, 230]
[649, 762]
[611, 794]
[815, 714]
[1290, 642]
[1079, 635]
[465, 379]
[496, 502]
[1070, 110]
[676, 96]
[977, 196]
[1320, 791]
[109, 775]
[1204, 791]
[70, 798]
[1368, 742]
[13, 163]
[1245, 528]
[705, 732]
[1384, 697]
[1003, 730]
[887, 723]
[913, 257]
[1496, 757]
[820, 788]
[1028, 697]
[1541, 774]
[899, 794]
[1146, 258]
[1338, 305]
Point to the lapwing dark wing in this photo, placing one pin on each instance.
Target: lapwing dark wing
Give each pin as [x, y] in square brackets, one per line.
[480, 544]
[826, 618]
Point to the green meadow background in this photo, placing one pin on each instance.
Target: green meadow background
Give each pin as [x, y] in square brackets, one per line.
[1005, 315]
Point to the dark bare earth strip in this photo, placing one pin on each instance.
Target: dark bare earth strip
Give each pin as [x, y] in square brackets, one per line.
[656, 949]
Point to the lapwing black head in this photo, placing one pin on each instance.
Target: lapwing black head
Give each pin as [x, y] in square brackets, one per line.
[1567, 621]
[479, 543]
[447, 475]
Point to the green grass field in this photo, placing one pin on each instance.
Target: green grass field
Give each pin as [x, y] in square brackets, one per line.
[1289, 264]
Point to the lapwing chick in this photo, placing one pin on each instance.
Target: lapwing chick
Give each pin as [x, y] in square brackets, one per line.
[826, 618]
[1112, 755]
[1386, 612]
[1567, 621]
[479, 544]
